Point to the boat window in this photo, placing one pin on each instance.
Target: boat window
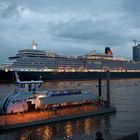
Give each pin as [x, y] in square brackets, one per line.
[34, 97]
[29, 87]
[25, 86]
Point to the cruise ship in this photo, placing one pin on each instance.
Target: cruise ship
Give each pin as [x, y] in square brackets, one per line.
[35, 64]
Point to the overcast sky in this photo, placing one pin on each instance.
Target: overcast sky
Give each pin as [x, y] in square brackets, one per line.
[71, 27]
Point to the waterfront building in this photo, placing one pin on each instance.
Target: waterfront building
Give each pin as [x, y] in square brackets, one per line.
[136, 53]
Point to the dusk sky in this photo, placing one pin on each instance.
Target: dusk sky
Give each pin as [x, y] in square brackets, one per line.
[69, 27]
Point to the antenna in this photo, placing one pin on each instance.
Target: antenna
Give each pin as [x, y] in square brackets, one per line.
[34, 45]
[135, 42]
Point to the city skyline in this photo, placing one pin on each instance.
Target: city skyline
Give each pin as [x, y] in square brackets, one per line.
[69, 27]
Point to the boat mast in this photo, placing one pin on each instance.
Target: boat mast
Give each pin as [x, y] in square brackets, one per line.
[34, 45]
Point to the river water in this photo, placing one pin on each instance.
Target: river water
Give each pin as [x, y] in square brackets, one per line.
[125, 94]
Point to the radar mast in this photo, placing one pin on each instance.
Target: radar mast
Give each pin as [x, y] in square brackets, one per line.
[34, 45]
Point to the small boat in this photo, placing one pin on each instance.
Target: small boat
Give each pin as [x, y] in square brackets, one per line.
[27, 96]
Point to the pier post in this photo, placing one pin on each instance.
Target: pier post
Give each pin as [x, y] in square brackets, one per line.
[100, 87]
[108, 88]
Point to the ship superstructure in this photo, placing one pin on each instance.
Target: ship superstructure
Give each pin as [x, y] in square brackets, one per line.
[39, 60]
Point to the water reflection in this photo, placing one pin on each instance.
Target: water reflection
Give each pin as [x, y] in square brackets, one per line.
[124, 94]
[48, 133]
[83, 128]
[88, 126]
[24, 135]
[68, 129]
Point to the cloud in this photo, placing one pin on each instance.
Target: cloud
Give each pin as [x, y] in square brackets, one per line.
[8, 10]
[132, 7]
[69, 26]
[97, 32]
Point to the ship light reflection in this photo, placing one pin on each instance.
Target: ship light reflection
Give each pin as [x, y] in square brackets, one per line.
[48, 133]
[88, 126]
[25, 135]
[68, 130]
[6, 70]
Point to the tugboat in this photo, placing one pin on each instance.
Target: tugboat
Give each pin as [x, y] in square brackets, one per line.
[28, 97]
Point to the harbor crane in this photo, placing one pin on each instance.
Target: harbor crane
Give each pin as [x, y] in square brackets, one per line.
[135, 42]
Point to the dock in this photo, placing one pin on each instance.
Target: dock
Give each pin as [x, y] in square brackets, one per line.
[20, 120]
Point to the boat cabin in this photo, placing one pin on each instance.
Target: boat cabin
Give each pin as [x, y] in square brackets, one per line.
[29, 85]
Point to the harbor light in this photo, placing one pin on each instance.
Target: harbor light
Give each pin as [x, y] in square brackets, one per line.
[34, 46]
[41, 96]
[6, 70]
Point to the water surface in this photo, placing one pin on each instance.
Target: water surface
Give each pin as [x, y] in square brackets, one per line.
[125, 94]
